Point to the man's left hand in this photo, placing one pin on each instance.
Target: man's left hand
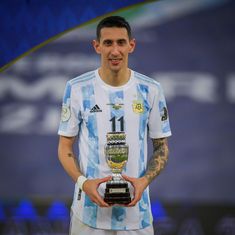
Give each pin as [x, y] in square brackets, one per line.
[139, 184]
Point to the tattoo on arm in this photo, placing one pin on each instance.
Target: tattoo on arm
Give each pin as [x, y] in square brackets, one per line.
[75, 160]
[158, 160]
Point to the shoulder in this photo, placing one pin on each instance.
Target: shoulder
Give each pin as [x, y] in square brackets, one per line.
[146, 80]
[82, 79]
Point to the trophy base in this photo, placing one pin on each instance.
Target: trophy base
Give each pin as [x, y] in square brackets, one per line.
[117, 193]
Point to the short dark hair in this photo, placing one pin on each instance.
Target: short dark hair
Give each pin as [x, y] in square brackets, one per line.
[113, 21]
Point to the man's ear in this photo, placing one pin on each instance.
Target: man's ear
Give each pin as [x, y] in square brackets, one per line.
[96, 46]
[132, 45]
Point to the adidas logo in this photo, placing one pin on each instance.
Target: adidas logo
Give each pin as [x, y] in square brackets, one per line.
[95, 109]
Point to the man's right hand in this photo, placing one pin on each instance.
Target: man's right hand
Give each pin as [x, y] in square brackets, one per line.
[90, 187]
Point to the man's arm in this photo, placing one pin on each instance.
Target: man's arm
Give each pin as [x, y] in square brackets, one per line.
[159, 159]
[68, 158]
[71, 166]
[155, 166]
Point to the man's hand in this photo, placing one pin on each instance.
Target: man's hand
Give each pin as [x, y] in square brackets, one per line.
[90, 187]
[139, 184]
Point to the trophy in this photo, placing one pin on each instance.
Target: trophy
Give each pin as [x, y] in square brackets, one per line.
[116, 153]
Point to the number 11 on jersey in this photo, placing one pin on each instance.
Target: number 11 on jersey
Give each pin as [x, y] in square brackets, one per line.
[114, 121]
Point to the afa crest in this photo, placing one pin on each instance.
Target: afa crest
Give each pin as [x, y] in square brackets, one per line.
[138, 106]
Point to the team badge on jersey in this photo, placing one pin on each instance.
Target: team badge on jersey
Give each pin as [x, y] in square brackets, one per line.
[163, 111]
[65, 113]
[164, 114]
[138, 106]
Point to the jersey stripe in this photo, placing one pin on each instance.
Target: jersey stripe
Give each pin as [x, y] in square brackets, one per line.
[66, 101]
[83, 78]
[118, 213]
[67, 93]
[146, 79]
[90, 208]
[142, 94]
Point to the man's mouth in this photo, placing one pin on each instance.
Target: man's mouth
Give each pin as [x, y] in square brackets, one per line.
[115, 61]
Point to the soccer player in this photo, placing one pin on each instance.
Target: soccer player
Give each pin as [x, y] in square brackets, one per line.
[112, 98]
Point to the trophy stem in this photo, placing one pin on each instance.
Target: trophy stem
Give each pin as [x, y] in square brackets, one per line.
[117, 177]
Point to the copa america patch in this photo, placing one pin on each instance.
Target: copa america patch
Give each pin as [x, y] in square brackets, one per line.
[65, 113]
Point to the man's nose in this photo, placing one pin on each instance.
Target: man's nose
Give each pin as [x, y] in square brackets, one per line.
[115, 49]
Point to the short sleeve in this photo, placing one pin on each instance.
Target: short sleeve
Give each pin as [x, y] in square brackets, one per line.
[69, 120]
[159, 125]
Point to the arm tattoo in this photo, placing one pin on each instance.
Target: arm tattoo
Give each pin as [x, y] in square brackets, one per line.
[75, 160]
[158, 160]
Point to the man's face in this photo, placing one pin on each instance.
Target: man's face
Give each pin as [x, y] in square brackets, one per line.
[114, 47]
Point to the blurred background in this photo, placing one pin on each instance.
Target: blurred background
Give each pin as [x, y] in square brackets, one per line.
[186, 45]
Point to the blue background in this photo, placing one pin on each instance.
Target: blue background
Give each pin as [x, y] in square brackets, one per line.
[25, 24]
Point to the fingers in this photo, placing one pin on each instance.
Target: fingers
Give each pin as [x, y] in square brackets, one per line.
[128, 178]
[138, 189]
[134, 201]
[103, 180]
[99, 201]
[90, 188]
[137, 197]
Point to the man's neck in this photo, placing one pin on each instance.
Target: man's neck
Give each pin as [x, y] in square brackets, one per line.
[114, 78]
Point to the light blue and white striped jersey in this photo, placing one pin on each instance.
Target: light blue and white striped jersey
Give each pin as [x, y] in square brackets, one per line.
[91, 109]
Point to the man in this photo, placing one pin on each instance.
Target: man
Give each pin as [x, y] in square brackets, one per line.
[112, 98]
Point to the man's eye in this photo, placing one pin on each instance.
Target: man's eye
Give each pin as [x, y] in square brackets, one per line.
[121, 42]
[107, 43]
